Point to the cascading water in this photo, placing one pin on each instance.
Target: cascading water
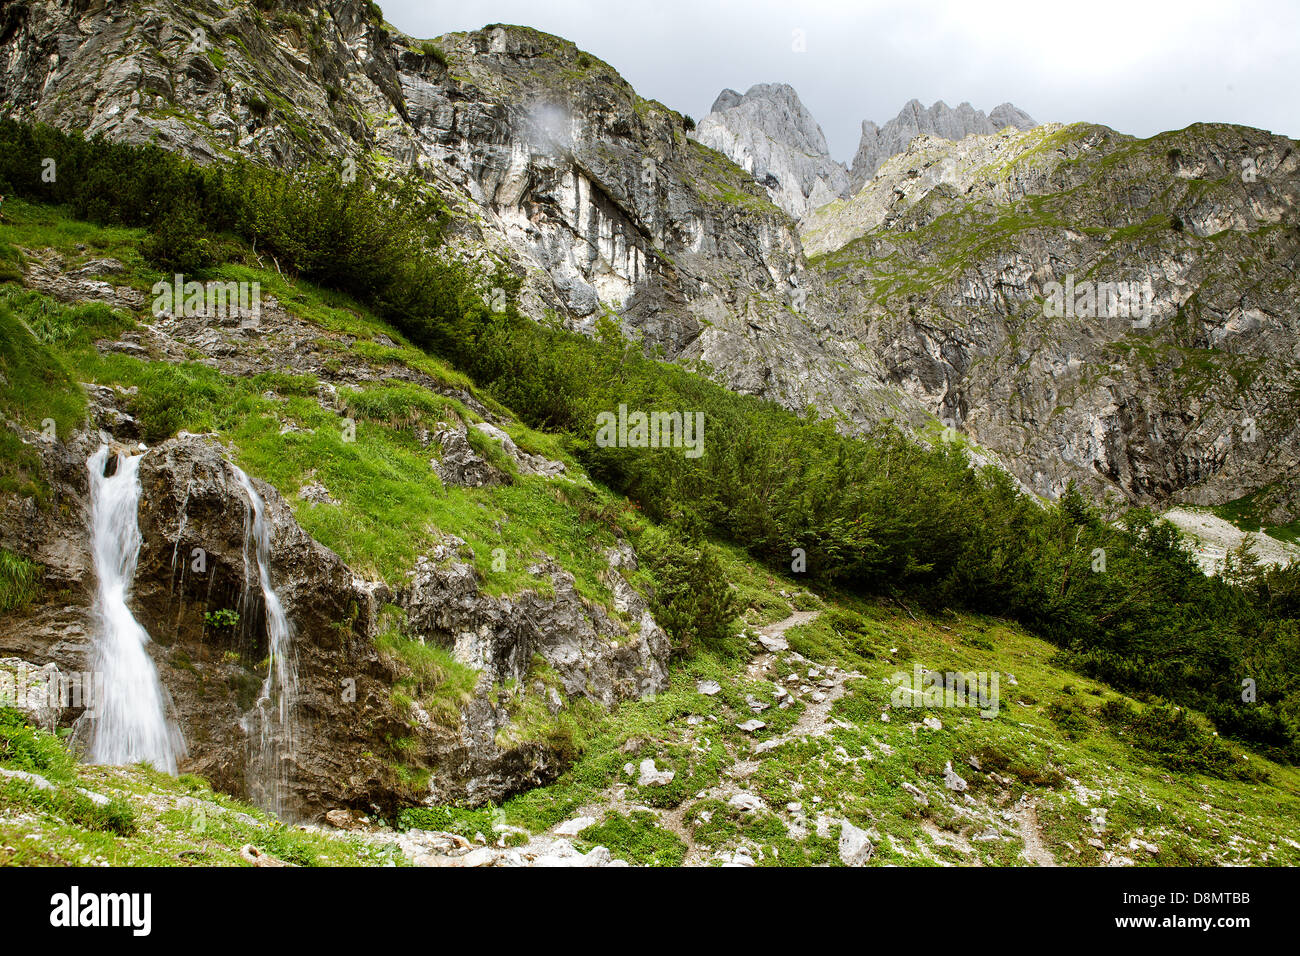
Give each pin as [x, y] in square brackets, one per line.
[128, 722]
[270, 724]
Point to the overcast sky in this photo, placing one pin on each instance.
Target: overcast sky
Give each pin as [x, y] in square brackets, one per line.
[1138, 66]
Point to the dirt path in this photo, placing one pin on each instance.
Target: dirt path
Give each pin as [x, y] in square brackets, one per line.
[816, 687]
[1035, 849]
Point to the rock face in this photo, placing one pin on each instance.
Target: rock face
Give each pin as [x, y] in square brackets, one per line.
[878, 143]
[193, 556]
[924, 299]
[948, 257]
[771, 135]
[553, 162]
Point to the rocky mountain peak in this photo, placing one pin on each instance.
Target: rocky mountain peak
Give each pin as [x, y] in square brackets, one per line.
[878, 143]
[771, 134]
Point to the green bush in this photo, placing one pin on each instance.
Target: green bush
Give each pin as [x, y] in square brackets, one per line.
[1175, 739]
[434, 53]
[693, 601]
[178, 243]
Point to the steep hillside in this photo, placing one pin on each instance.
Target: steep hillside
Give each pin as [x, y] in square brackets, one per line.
[420, 653]
[547, 157]
[601, 202]
[946, 259]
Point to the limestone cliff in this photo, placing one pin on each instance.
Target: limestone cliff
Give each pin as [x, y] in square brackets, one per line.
[770, 134]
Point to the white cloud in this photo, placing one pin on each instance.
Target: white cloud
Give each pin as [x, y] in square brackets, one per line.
[1140, 67]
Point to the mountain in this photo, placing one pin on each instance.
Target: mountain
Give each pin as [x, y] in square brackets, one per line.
[599, 200]
[770, 134]
[944, 261]
[549, 160]
[878, 143]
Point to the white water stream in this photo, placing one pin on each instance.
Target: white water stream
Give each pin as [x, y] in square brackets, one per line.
[128, 722]
[270, 724]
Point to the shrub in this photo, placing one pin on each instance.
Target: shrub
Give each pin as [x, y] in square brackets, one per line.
[434, 53]
[693, 600]
[1175, 739]
[177, 242]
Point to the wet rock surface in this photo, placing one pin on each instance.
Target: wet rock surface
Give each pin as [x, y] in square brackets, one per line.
[194, 557]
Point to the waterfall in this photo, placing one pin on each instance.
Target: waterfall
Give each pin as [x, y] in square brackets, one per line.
[128, 722]
[270, 724]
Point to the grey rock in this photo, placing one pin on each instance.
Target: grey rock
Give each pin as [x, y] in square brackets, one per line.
[651, 776]
[771, 135]
[35, 779]
[460, 464]
[855, 845]
[571, 828]
[917, 794]
[528, 464]
[879, 143]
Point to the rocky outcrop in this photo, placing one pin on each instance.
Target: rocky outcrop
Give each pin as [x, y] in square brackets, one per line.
[878, 143]
[459, 464]
[947, 257]
[194, 557]
[930, 167]
[591, 654]
[770, 134]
